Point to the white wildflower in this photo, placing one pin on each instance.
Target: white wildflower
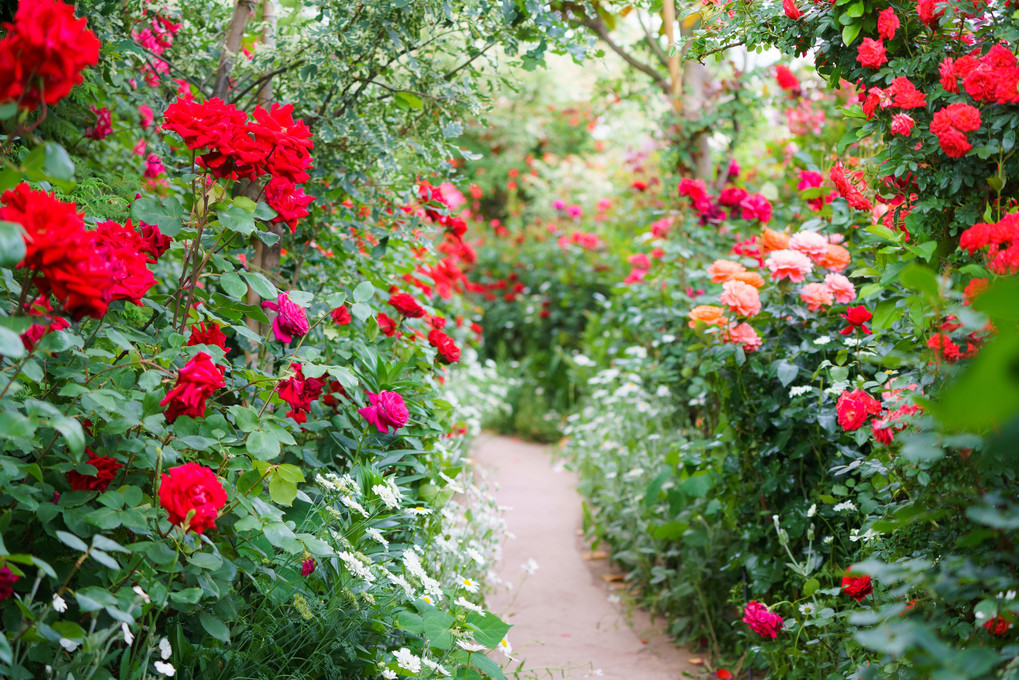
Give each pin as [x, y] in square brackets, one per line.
[128, 635]
[419, 511]
[467, 604]
[389, 493]
[845, 505]
[438, 668]
[808, 608]
[353, 505]
[468, 585]
[376, 535]
[59, 604]
[471, 646]
[165, 650]
[141, 593]
[166, 669]
[406, 660]
[799, 389]
[530, 566]
[69, 644]
[813, 510]
[476, 556]
[506, 648]
[357, 567]
[823, 340]
[389, 674]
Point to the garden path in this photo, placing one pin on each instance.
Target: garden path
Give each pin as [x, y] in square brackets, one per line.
[566, 621]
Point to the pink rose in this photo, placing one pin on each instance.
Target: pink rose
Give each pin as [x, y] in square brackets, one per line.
[816, 295]
[290, 318]
[789, 264]
[741, 298]
[743, 334]
[840, 287]
[810, 243]
[761, 621]
[386, 410]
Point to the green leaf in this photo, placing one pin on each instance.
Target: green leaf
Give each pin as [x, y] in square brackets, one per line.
[214, 627]
[920, 278]
[187, 596]
[489, 629]
[264, 212]
[364, 291]
[10, 343]
[810, 587]
[787, 372]
[987, 393]
[262, 445]
[103, 543]
[261, 285]
[855, 10]
[104, 559]
[408, 100]
[850, 32]
[72, 541]
[281, 536]
[237, 219]
[999, 300]
[12, 244]
[487, 666]
[282, 491]
[232, 285]
[360, 311]
[168, 215]
[204, 560]
[58, 165]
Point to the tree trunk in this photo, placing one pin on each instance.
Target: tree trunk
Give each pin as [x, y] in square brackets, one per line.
[232, 45]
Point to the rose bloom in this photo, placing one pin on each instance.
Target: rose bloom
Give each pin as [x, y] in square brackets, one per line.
[788, 264]
[810, 243]
[386, 409]
[743, 334]
[707, 314]
[761, 621]
[791, 10]
[741, 298]
[192, 487]
[951, 124]
[756, 207]
[211, 335]
[7, 580]
[341, 315]
[816, 295]
[106, 469]
[751, 278]
[773, 240]
[406, 304]
[856, 587]
[447, 351]
[854, 407]
[841, 288]
[290, 320]
[887, 23]
[836, 258]
[308, 567]
[721, 271]
[871, 53]
[856, 317]
[195, 383]
[998, 626]
[902, 124]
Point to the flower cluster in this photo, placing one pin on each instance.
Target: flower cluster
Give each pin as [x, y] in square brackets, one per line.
[1001, 239]
[43, 54]
[236, 148]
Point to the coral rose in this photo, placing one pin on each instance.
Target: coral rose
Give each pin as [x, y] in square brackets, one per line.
[856, 587]
[816, 295]
[386, 410]
[789, 264]
[192, 487]
[836, 258]
[810, 243]
[773, 240]
[751, 278]
[707, 314]
[841, 288]
[743, 334]
[761, 621]
[741, 298]
[721, 271]
[887, 23]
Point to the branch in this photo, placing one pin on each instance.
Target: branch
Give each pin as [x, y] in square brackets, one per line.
[723, 48]
[396, 90]
[653, 42]
[598, 27]
[264, 78]
[449, 74]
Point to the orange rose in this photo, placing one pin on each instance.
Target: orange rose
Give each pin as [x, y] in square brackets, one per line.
[741, 298]
[723, 270]
[707, 314]
[751, 278]
[773, 240]
[836, 258]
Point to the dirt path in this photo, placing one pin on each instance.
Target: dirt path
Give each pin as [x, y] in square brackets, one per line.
[567, 623]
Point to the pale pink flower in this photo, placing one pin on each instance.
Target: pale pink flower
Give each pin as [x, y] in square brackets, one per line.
[810, 243]
[788, 264]
[841, 288]
[741, 298]
[816, 295]
[745, 335]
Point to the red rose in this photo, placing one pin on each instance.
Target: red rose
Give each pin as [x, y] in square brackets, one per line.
[997, 626]
[192, 487]
[386, 410]
[155, 243]
[44, 53]
[902, 125]
[761, 621]
[290, 320]
[854, 407]
[211, 335]
[448, 352]
[7, 581]
[289, 202]
[871, 53]
[195, 383]
[405, 304]
[299, 392]
[791, 10]
[341, 315]
[756, 207]
[124, 250]
[787, 80]
[856, 587]
[387, 325]
[887, 23]
[951, 124]
[856, 317]
[106, 469]
[308, 567]
[286, 142]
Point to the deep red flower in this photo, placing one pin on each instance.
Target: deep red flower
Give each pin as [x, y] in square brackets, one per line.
[857, 318]
[203, 125]
[856, 587]
[951, 124]
[787, 80]
[447, 350]
[125, 251]
[289, 202]
[385, 410]
[195, 383]
[44, 53]
[103, 126]
[192, 487]
[7, 581]
[210, 334]
[905, 95]
[106, 469]
[387, 325]
[405, 304]
[286, 142]
[308, 567]
[299, 392]
[341, 315]
[871, 53]
[997, 626]
[848, 189]
[791, 10]
[854, 408]
[731, 196]
[155, 242]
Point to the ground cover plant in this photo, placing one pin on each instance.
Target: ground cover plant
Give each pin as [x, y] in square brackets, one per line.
[795, 420]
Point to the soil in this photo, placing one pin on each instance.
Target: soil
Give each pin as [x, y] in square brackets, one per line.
[570, 617]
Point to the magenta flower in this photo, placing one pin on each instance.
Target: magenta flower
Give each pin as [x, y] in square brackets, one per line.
[386, 410]
[290, 318]
[308, 567]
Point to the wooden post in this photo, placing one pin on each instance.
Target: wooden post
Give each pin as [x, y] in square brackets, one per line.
[675, 75]
[232, 45]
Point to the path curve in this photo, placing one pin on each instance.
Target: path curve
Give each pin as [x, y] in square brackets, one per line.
[566, 624]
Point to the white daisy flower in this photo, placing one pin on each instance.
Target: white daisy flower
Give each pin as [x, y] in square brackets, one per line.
[471, 646]
[437, 668]
[467, 604]
[530, 566]
[406, 660]
[468, 585]
[506, 648]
